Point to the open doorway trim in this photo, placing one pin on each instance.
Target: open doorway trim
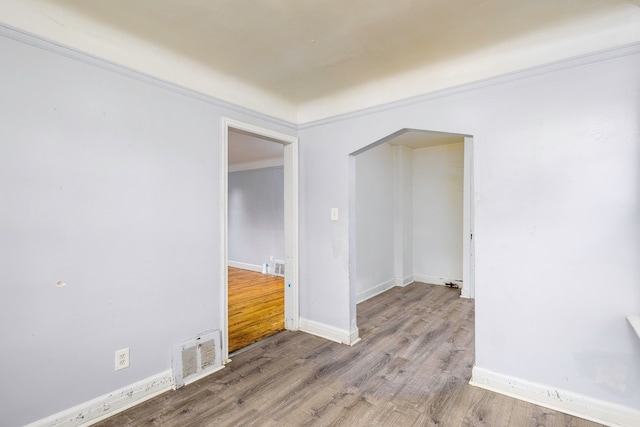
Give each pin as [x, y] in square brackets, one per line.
[468, 237]
[291, 291]
[468, 250]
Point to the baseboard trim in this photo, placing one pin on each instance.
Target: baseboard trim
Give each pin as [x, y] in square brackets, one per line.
[203, 375]
[402, 282]
[331, 333]
[375, 290]
[110, 404]
[245, 266]
[434, 280]
[354, 336]
[571, 403]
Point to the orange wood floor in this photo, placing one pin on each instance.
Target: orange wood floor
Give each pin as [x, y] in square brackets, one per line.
[256, 307]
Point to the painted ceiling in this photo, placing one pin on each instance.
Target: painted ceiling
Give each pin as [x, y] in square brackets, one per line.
[302, 60]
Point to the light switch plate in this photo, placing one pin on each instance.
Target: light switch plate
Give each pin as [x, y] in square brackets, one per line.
[334, 214]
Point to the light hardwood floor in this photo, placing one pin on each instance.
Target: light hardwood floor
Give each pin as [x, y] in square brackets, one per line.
[256, 307]
[411, 368]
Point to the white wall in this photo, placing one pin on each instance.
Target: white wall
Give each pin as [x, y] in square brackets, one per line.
[375, 215]
[437, 213]
[557, 236]
[110, 184]
[256, 215]
[409, 216]
[403, 215]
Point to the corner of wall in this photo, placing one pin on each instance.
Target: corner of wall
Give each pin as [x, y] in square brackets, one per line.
[329, 332]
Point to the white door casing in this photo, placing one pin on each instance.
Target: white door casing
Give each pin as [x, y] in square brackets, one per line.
[291, 291]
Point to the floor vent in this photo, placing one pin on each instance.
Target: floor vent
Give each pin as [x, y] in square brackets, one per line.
[278, 269]
[194, 358]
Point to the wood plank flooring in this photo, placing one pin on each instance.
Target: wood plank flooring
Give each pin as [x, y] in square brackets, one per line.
[256, 307]
[411, 368]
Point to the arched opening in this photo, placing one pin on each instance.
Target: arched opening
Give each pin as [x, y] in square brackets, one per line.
[411, 213]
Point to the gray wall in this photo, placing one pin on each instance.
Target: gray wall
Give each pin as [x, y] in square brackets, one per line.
[111, 185]
[256, 215]
[556, 219]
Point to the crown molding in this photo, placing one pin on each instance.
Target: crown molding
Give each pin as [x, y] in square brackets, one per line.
[551, 67]
[51, 46]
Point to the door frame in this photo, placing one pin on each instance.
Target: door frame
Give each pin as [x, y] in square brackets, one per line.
[468, 213]
[291, 227]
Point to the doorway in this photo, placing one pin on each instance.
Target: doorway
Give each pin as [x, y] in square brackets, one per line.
[271, 265]
[425, 233]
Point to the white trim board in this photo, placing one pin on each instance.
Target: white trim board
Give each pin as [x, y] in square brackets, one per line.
[110, 404]
[571, 403]
[468, 227]
[402, 282]
[204, 374]
[562, 64]
[291, 223]
[375, 290]
[328, 332]
[434, 280]
[383, 287]
[245, 266]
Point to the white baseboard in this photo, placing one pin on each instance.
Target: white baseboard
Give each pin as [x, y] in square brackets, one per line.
[245, 266]
[571, 403]
[110, 404]
[375, 290]
[466, 293]
[404, 281]
[202, 375]
[332, 333]
[354, 336]
[433, 280]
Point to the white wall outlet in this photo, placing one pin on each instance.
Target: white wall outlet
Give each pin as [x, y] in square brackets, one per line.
[122, 358]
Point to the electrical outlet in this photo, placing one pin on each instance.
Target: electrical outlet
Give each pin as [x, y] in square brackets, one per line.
[122, 358]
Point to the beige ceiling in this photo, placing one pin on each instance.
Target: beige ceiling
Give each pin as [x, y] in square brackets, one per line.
[306, 60]
[300, 50]
[249, 151]
[416, 139]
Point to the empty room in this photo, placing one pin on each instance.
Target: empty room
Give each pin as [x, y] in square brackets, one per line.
[121, 207]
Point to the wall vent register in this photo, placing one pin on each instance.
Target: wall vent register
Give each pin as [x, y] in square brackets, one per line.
[278, 268]
[196, 357]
